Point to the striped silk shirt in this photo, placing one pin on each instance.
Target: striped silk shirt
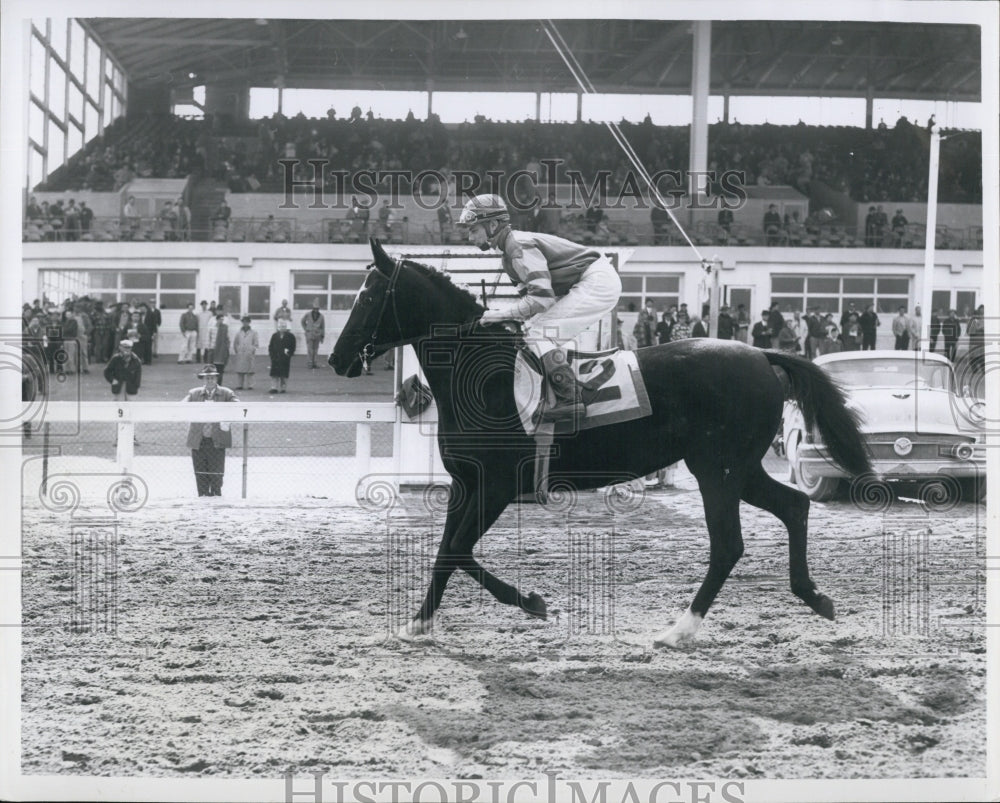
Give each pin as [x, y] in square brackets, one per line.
[543, 267]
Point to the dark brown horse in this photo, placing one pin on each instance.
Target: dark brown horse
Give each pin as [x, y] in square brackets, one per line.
[715, 404]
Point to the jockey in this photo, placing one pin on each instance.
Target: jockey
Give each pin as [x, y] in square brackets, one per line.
[564, 289]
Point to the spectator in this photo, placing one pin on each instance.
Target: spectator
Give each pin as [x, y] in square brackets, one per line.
[851, 334]
[915, 323]
[282, 313]
[666, 325]
[869, 323]
[976, 330]
[901, 330]
[314, 327]
[358, 217]
[951, 328]
[742, 323]
[144, 344]
[593, 217]
[645, 326]
[681, 329]
[208, 441]
[280, 349]
[222, 214]
[82, 336]
[726, 327]
[69, 342]
[847, 313]
[899, 224]
[935, 328]
[761, 332]
[624, 341]
[205, 318]
[446, 226]
[816, 333]
[131, 221]
[245, 345]
[34, 377]
[72, 221]
[795, 231]
[124, 372]
[168, 221]
[101, 333]
[386, 220]
[881, 224]
[189, 336]
[86, 219]
[154, 320]
[800, 328]
[219, 345]
[698, 327]
[725, 220]
[183, 220]
[788, 342]
[772, 227]
[776, 321]
[832, 342]
[870, 226]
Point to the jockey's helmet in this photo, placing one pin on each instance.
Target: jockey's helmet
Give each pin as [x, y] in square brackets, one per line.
[484, 208]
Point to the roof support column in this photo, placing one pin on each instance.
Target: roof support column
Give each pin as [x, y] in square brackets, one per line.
[430, 97]
[538, 105]
[700, 77]
[579, 106]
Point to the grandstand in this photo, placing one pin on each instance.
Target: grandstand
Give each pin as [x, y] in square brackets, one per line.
[102, 131]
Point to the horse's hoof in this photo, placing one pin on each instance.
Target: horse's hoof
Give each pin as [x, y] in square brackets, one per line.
[823, 605]
[682, 631]
[412, 630]
[535, 606]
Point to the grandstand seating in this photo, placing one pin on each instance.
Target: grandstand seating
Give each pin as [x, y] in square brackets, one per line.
[862, 166]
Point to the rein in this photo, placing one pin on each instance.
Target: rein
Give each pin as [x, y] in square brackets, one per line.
[369, 349]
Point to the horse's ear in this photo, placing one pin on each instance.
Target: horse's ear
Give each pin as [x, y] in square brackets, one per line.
[383, 261]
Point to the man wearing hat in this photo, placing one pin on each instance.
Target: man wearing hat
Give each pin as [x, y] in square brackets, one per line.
[205, 320]
[209, 440]
[315, 328]
[280, 349]
[245, 344]
[124, 372]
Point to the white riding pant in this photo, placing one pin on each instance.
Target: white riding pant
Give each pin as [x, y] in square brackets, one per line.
[593, 296]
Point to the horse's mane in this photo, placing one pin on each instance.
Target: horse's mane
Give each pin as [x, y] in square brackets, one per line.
[444, 281]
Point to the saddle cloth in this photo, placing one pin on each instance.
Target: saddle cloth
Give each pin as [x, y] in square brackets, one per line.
[613, 390]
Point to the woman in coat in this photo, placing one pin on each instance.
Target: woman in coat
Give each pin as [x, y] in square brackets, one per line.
[245, 344]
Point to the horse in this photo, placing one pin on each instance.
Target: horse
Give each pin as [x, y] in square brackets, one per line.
[716, 404]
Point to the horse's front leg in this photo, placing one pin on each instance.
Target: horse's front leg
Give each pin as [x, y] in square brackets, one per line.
[455, 552]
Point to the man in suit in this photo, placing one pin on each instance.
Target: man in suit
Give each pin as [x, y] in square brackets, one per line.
[208, 441]
[315, 328]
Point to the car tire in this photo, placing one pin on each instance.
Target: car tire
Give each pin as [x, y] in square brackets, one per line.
[818, 489]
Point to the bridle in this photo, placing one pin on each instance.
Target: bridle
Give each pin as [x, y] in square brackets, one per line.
[368, 351]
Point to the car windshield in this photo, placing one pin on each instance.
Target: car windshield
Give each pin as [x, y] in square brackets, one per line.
[889, 373]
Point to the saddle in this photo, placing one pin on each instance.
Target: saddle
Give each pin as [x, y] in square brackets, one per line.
[612, 390]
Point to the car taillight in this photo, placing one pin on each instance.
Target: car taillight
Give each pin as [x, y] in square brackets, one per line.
[963, 451]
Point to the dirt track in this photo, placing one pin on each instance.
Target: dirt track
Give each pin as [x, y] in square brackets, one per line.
[250, 641]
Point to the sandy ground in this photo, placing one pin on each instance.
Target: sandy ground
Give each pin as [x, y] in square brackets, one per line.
[253, 639]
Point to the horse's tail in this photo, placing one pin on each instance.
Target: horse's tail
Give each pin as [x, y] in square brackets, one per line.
[823, 404]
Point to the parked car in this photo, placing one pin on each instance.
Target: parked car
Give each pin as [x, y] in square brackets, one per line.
[918, 424]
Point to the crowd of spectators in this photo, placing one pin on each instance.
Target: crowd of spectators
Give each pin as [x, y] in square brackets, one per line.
[871, 165]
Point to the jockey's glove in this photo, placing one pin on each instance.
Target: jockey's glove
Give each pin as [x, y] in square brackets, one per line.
[498, 315]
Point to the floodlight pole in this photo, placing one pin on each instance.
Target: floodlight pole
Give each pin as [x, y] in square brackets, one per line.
[930, 240]
[713, 266]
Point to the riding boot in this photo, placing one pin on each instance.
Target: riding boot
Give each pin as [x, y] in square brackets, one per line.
[569, 398]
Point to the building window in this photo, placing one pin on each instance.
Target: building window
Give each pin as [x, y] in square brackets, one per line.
[834, 293]
[170, 289]
[335, 290]
[664, 290]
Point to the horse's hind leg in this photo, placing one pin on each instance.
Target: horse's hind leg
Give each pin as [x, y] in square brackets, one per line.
[720, 496]
[792, 507]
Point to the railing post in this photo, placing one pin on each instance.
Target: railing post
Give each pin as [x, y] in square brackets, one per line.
[246, 453]
[125, 450]
[363, 449]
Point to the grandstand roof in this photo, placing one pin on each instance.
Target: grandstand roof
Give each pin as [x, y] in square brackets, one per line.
[828, 59]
